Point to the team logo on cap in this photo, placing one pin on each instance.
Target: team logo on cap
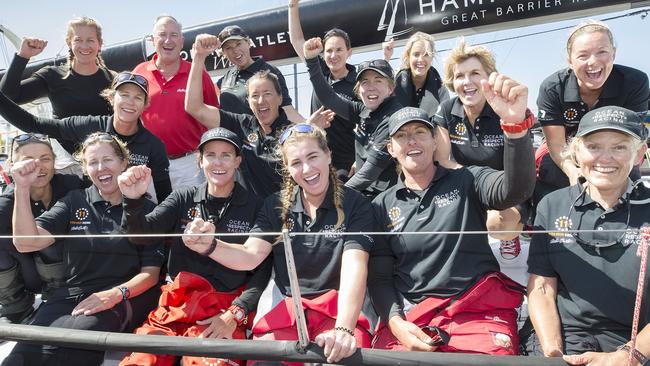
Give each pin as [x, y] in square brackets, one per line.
[252, 137]
[193, 213]
[81, 214]
[570, 114]
[460, 129]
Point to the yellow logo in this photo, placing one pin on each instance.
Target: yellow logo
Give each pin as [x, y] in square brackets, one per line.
[570, 114]
[81, 214]
[460, 129]
[193, 213]
[252, 137]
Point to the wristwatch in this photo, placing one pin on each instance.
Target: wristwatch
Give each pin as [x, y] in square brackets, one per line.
[238, 313]
[522, 126]
[126, 293]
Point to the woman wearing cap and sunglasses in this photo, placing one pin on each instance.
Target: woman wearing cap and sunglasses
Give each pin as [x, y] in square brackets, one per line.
[24, 274]
[331, 269]
[205, 298]
[592, 80]
[235, 45]
[582, 285]
[128, 96]
[337, 49]
[260, 131]
[109, 281]
[374, 170]
[73, 88]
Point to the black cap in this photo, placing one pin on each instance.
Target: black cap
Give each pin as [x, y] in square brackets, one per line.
[613, 118]
[232, 32]
[220, 133]
[380, 66]
[407, 115]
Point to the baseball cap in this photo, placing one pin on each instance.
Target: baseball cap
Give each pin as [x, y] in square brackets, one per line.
[232, 32]
[379, 65]
[613, 118]
[220, 133]
[407, 115]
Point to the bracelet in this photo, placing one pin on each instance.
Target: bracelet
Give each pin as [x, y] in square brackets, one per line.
[640, 357]
[211, 249]
[346, 330]
[126, 293]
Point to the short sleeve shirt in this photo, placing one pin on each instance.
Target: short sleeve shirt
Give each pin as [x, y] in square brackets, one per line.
[559, 102]
[260, 167]
[96, 264]
[233, 86]
[596, 287]
[481, 144]
[318, 257]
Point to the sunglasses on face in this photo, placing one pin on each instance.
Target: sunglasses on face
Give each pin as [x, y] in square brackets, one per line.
[126, 76]
[301, 128]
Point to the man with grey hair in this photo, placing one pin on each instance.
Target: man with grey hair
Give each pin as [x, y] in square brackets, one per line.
[165, 116]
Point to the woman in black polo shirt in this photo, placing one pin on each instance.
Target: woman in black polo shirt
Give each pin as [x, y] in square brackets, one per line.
[582, 285]
[129, 96]
[337, 49]
[24, 274]
[592, 80]
[374, 170]
[74, 88]
[227, 297]
[418, 83]
[331, 268]
[259, 132]
[110, 282]
[469, 132]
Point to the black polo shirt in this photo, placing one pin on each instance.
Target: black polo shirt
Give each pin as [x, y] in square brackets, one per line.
[596, 287]
[559, 102]
[317, 258]
[427, 98]
[184, 205]
[481, 144]
[144, 147]
[61, 184]
[260, 167]
[96, 264]
[233, 86]
[444, 265]
[340, 134]
[371, 133]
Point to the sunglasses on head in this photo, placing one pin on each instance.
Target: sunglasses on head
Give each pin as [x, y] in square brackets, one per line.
[374, 63]
[301, 128]
[27, 138]
[126, 76]
[230, 32]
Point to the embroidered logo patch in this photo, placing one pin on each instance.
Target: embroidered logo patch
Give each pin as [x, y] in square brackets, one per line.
[193, 213]
[81, 214]
[460, 129]
[252, 137]
[570, 114]
[501, 340]
[396, 219]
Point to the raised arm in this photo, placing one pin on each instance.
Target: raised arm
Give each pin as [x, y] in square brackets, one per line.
[206, 114]
[33, 87]
[295, 29]
[25, 173]
[348, 110]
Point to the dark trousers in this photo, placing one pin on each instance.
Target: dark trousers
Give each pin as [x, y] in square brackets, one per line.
[575, 341]
[124, 317]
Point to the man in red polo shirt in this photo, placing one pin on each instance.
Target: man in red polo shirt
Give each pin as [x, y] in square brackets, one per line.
[165, 117]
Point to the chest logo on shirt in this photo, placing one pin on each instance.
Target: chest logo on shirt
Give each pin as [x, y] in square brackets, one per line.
[252, 138]
[290, 224]
[460, 129]
[193, 213]
[81, 214]
[562, 224]
[396, 219]
[570, 114]
[238, 226]
[446, 199]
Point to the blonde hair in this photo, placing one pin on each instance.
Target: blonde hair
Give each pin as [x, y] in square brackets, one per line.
[588, 27]
[288, 184]
[428, 41]
[462, 53]
[119, 147]
[82, 22]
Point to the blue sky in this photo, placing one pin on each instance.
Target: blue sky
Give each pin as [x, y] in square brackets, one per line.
[528, 60]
